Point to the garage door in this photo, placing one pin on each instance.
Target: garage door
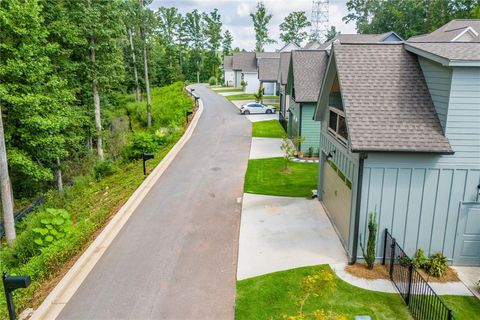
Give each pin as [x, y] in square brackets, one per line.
[336, 198]
[467, 245]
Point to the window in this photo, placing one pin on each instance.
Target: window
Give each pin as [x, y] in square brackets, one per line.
[337, 125]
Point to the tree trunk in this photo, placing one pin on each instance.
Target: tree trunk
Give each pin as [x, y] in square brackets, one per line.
[145, 68]
[6, 190]
[96, 105]
[58, 176]
[134, 61]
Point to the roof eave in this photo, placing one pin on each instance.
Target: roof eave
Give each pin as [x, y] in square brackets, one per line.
[443, 61]
[440, 152]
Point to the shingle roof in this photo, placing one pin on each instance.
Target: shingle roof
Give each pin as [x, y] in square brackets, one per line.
[357, 38]
[308, 71]
[450, 31]
[268, 69]
[386, 100]
[268, 55]
[312, 45]
[227, 62]
[283, 67]
[459, 51]
[245, 61]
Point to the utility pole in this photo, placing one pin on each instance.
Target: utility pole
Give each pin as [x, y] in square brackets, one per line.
[319, 21]
[6, 189]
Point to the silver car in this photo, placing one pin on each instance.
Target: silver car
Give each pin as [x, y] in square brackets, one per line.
[255, 107]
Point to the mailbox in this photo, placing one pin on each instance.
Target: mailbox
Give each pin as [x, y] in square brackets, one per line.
[145, 157]
[10, 284]
[187, 114]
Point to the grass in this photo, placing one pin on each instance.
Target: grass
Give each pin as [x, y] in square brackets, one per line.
[268, 129]
[463, 307]
[227, 89]
[247, 96]
[278, 296]
[266, 176]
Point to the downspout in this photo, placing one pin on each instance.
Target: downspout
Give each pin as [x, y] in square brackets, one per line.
[358, 201]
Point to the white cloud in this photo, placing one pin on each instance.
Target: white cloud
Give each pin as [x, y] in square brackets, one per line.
[236, 18]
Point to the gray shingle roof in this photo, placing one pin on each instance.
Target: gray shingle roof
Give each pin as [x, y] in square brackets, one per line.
[245, 61]
[308, 71]
[268, 55]
[449, 31]
[283, 67]
[268, 69]
[357, 38]
[459, 51]
[386, 100]
[227, 62]
[312, 45]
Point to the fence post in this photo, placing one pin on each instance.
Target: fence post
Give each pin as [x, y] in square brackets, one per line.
[410, 273]
[392, 257]
[449, 314]
[385, 247]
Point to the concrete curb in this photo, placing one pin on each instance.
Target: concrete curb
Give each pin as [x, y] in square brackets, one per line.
[66, 288]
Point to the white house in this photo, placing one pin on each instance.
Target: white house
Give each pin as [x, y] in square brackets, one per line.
[228, 73]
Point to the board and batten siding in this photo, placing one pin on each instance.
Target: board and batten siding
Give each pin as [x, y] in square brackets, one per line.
[438, 79]
[417, 199]
[310, 129]
[293, 118]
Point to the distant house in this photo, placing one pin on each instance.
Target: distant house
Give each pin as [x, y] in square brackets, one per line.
[305, 75]
[290, 46]
[400, 135]
[267, 74]
[228, 73]
[313, 45]
[244, 66]
[361, 38]
[282, 76]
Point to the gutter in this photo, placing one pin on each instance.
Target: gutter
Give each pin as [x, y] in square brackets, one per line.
[353, 259]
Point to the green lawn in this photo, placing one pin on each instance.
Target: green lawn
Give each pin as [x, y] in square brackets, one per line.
[227, 89]
[268, 129]
[463, 307]
[247, 96]
[278, 296]
[265, 176]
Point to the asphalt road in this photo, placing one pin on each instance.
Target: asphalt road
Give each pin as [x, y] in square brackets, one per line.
[176, 257]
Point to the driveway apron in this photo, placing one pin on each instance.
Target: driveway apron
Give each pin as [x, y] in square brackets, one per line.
[176, 257]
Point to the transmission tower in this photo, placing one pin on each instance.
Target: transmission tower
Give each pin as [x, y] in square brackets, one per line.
[319, 20]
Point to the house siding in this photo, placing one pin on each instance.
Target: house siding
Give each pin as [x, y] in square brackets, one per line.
[293, 118]
[310, 129]
[417, 198]
[438, 79]
[252, 82]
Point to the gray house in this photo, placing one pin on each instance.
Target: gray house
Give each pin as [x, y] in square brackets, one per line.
[267, 74]
[400, 135]
[282, 77]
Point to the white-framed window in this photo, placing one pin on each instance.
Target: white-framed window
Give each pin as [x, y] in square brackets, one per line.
[337, 126]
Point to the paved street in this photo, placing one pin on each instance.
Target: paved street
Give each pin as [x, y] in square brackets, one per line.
[176, 257]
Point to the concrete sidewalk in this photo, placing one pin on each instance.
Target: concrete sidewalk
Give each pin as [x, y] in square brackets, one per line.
[266, 148]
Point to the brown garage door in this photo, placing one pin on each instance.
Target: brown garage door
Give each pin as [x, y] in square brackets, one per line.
[337, 199]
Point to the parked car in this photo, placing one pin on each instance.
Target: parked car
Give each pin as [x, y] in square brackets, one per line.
[255, 107]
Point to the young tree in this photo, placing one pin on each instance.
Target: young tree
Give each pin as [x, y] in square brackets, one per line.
[293, 28]
[260, 20]
[331, 33]
[227, 43]
[5, 189]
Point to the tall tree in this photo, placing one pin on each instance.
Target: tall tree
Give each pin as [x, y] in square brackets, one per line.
[145, 64]
[168, 33]
[213, 35]
[5, 189]
[260, 20]
[193, 28]
[331, 33]
[227, 43]
[293, 27]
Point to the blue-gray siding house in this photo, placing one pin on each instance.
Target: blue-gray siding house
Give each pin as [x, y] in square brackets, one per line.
[400, 135]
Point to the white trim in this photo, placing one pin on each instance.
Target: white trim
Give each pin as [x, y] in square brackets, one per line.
[469, 29]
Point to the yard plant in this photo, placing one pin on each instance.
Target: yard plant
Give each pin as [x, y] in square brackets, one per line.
[369, 255]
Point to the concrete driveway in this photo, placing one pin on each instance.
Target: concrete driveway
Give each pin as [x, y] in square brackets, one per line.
[266, 148]
[280, 233]
[176, 257]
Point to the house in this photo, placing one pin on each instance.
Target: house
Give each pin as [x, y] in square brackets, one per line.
[267, 74]
[400, 136]
[288, 47]
[361, 38]
[228, 73]
[244, 66]
[305, 75]
[282, 76]
[312, 45]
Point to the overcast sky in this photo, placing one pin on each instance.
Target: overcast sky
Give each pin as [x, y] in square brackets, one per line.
[236, 18]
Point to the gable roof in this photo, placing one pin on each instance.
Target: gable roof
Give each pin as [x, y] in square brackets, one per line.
[290, 46]
[262, 55]
[448, 53]
[245, 61]
[452, 32]
[227, 62]
[308, 67]
[312, 45]
[386, 100]
[283, 67]
[362, 38]
[268, 69]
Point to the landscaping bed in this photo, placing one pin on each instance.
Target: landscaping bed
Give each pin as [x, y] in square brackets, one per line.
[269, 177]
[268, 129]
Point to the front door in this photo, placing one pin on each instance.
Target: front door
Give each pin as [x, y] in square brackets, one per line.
[467, 244]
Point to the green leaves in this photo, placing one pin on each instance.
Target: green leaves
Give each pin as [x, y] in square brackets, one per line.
[260, 20]
[293, 27]
[55, 226]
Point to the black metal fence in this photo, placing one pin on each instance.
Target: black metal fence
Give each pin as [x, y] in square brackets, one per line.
[423, 302]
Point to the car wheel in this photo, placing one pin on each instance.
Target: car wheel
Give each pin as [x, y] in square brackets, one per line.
[269, 111]
[246, 112]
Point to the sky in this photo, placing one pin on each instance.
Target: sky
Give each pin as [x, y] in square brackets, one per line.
[236, 16]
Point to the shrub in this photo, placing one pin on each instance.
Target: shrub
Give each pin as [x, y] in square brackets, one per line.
[310, 152]
[437, 265]
[369, 256]
[244, 84]
[144, 142]
[419, 259]
[104, 169]
[212, 81]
